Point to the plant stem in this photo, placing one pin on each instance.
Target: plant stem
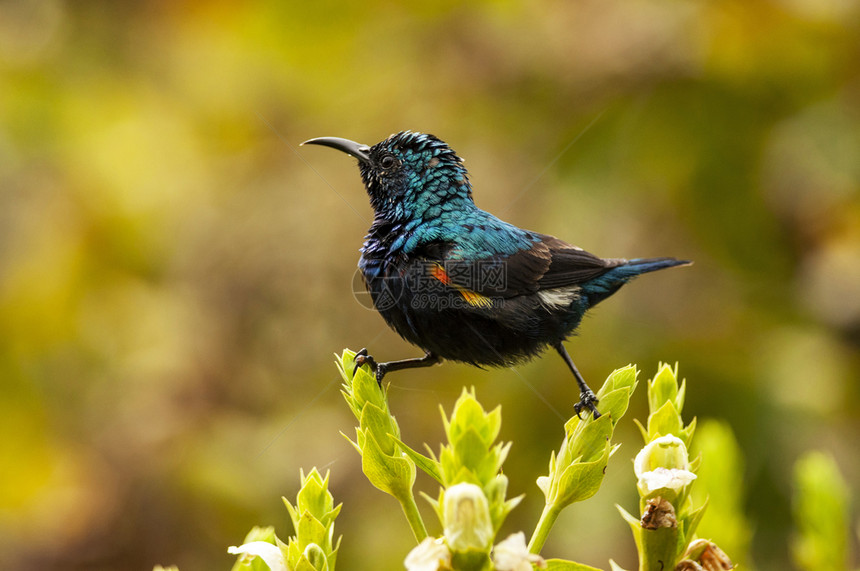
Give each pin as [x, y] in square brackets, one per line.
[659, 549]
[545, 523]
[413, 516]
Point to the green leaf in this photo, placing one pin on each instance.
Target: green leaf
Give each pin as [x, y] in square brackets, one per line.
[360, 388]
[310, 531]
[499, 507]
[615, 403]
[294, 514]
[625, 377]
[663, 388]
[304, 565]
[665, 420]
[355, 443]
[427, 465]
[642, 430]
[469, 416]
[313, 496]
[591, 443]
[691, 522]
[682, 392]
[378, 422]
[328, 519]
[448, 466]
[392, 474]
[615, 393]
[687, 434]
[635, 527]
[575, 423]
[332, 556]
[470, 450]
[581, 480]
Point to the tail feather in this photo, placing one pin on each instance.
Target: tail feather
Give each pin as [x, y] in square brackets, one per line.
[645, 265]
[602, 287]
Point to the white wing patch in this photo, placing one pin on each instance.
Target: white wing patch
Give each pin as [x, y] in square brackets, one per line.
[560, 297]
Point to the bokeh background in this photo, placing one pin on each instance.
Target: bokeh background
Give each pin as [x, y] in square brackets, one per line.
[176, 273]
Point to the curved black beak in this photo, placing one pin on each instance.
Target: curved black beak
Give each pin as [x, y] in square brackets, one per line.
[359, 151]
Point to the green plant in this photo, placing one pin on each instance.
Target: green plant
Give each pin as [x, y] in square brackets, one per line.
[472, 500]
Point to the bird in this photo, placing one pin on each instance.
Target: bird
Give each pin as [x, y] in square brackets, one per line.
[458, 282]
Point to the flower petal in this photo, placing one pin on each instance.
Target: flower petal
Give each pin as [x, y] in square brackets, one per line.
[429, 555]
[466, 515]
[664, 478]
[271, 554]
[512, 554]
[665, 451]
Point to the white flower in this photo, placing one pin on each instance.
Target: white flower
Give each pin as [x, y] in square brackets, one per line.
[663, 465]
[664, 452]
[271, 554]
[512, 554]
[429, 555]
[664, 478]
[467, 518]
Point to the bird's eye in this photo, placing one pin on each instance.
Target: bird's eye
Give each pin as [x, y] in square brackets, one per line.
[388, 162]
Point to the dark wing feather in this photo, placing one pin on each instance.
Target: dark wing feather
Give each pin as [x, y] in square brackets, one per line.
[573, 266]
[549, 263]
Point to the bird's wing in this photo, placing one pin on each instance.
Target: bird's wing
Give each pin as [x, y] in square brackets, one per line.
[571, 266]
[548, 263]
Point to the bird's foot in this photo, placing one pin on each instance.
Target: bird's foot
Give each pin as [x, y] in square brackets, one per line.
[588, 402]
[363, 358]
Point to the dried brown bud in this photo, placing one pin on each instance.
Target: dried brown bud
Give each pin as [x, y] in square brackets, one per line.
[658, 513]
[707, 556]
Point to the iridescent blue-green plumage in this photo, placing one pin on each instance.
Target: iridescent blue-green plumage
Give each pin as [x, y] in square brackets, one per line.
[460, 283]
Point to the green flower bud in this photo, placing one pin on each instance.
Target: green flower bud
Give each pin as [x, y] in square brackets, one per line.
[472, 456]
[576, 472]
[383, 459]
[313, 547]
[578, 469]
[664, 476]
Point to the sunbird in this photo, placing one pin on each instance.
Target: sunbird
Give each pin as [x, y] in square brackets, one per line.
[460, 283]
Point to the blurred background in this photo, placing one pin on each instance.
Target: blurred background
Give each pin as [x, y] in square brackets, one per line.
[176, 274]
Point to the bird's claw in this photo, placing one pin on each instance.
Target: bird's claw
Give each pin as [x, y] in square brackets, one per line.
[588, 402]
[363, 358]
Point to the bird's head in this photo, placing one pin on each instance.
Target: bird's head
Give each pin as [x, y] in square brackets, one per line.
[408, 174]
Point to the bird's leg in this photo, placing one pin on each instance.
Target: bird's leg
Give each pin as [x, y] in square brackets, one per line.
[587, 400]
[362, 358]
